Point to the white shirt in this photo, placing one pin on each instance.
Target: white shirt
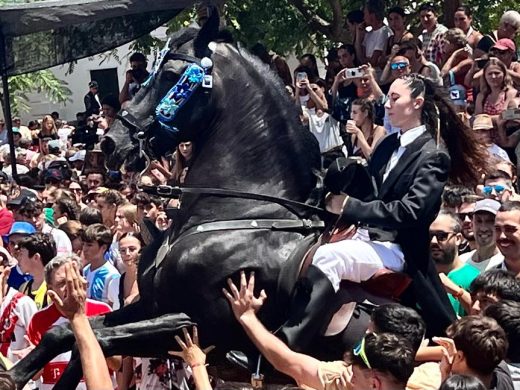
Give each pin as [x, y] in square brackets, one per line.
[376, 40]
[405, 139]
[497, 151]
[485, 265]
[63, 244]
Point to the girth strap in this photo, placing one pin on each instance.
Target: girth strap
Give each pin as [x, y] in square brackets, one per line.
[255, 224]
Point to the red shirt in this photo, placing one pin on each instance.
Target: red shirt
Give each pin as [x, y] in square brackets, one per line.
[46, 319]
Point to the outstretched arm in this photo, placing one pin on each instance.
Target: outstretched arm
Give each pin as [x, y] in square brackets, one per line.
[302, 368]
[194, 357]
[72, 306]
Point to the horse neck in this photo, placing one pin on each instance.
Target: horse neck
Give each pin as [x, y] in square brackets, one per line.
[255, 144]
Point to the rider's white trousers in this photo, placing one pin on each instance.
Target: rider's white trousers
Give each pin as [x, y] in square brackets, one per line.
[357, 259]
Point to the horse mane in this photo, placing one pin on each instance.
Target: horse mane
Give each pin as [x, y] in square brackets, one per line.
[261, 125]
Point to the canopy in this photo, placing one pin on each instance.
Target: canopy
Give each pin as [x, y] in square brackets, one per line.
[48, 33]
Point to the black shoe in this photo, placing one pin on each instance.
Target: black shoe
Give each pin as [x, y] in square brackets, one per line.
[310, 310]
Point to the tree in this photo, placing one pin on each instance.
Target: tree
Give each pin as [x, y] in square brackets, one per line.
[44, 82]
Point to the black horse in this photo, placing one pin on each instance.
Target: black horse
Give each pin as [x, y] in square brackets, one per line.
[248, 139]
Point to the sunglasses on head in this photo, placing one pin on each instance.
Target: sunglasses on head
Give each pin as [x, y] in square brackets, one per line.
[359, 350]
[441, 236]
[499, 188]
[398, 65]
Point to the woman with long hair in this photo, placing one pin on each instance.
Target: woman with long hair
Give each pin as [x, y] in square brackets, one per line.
[365, 133]
[183, 156]
[496, 89]
[409, 170]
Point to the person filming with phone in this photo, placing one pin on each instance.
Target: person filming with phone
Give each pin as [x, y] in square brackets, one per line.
[134, 77]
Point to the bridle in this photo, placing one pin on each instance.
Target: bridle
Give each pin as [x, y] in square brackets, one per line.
[165, 113]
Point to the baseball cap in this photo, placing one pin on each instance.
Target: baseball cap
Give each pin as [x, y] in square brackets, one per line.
[482, 122]
[489, 205]
[23, 196]
[53, 173]
[16, 130]
[54, 144]
[93, 84]
[22, 228]
[458, 95]
[505, 44]
[78, 156]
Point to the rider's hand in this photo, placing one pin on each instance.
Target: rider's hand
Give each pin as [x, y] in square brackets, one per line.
[244, 302]
[191, 352]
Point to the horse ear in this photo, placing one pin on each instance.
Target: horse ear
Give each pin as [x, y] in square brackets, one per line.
[207, 34]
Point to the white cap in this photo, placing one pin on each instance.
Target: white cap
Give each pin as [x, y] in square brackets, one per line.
[79, 155]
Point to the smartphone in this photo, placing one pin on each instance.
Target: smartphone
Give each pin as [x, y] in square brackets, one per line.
[511, 114]
[301, 76]
[353, 73]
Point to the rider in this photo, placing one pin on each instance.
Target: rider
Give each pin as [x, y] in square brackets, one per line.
[409, 170]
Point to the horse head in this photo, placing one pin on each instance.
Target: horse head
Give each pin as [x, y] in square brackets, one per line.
[150, 124]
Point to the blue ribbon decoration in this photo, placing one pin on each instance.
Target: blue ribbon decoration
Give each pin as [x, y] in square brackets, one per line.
[178, 95]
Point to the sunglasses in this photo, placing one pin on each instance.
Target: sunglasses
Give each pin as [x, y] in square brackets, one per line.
[360, 351]
[487, 190]
[463, 216]
[441, 236]
[398, 65]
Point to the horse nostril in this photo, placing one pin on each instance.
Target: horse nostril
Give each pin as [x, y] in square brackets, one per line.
[108, 146]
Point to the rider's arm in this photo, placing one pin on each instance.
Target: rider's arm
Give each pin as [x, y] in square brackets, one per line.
[418, 203]
[302, 368]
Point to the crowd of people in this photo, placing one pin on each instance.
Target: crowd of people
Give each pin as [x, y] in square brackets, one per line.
[434, 114]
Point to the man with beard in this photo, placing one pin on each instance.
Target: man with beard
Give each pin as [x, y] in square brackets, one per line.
[486, 255]
[445, 233]
[507, 228]
[465, 214]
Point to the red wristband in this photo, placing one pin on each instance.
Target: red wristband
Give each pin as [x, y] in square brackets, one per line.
[196, 365]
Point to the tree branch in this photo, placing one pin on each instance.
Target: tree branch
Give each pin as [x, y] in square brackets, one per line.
[315, 22]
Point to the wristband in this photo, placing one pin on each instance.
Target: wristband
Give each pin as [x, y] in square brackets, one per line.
[459, 294]
[197, 365]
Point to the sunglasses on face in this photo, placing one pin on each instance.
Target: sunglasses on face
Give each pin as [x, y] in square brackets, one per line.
[360, 351]
[499, 188]
[441, 236]
[398, 65]
[463, 216]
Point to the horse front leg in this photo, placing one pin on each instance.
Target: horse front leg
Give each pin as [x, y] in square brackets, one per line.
[61, 339]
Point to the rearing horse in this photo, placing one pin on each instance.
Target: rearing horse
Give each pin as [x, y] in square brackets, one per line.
[248, 139]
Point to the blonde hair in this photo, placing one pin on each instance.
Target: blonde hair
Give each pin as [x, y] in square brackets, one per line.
[47, 118]
[129, 212]
[485, 89]
[456, 37]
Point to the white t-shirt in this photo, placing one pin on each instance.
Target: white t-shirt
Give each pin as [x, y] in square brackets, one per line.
[376, 40]
[24, 310]
[161, 374]
[496, 150]
[326, 130]
[485, 265]
[63, 244]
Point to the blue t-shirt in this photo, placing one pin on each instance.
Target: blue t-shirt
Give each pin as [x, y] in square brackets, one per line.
[98, 281]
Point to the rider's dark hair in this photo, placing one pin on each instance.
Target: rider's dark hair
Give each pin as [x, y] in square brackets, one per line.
[462, 382]
[401, 320]
[438, 114]
[355, 16]
[501, 283]
[388, 353]
[506, 313]
[138, 57]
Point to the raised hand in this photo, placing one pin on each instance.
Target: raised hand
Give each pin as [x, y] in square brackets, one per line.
[73, 303]
[244, 302]
[191, 352]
